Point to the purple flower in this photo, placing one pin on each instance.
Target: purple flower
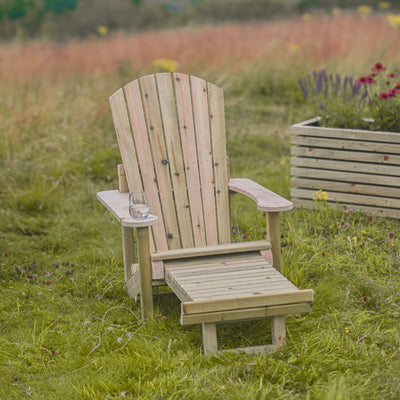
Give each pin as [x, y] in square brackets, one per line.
[245, 236]
[346, 224]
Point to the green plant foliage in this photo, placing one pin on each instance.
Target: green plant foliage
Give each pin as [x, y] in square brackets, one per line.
[370, 102]
[15, 9]
[57, 7]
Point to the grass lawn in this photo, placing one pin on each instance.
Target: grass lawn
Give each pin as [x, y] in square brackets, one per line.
[67, 328]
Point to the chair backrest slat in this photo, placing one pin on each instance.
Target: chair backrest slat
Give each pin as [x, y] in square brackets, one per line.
[171, 133]
[155, 132]
[204, 155]
[144, 156]
[169, 114]
[221, 177]
[189, 152]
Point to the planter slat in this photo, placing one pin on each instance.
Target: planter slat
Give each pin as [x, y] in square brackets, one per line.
[346, 144]
[308, 129]
[346, 187]
[355, 167]
[350, 198]
[338, 165]
[346, 155]
[353, 177]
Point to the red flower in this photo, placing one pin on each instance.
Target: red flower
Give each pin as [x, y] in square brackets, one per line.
[362, 81]
[391, 75]
[370, 79]
[383, 96]
[378, 67]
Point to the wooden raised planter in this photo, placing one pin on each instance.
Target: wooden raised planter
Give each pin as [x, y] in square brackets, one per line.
[357, 168]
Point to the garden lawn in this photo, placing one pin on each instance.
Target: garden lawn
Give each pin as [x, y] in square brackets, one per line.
[67, 328]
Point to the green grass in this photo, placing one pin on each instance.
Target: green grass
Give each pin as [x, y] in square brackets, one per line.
[71, 332]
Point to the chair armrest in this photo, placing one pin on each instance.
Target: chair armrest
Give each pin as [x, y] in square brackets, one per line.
[118, 204]
[265, 199]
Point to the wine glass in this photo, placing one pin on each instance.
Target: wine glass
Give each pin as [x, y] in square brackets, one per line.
[139, 208]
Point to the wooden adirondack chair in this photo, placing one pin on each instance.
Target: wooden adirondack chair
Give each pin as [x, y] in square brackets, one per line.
[171, 134]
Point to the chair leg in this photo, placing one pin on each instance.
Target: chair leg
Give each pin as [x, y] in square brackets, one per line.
[274, 236]
[278, 329]
[128, 249]
[146, 287]
[210, 344]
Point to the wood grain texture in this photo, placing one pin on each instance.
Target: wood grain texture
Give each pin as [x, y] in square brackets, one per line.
[145, 161]
[159, 156]
[118, 204]
[308, 128]
[189, 154]
[265, 199]
[175, 160]
[231, 281]
[357, 168]
[228, 248]
[204, 154]
[220, 160]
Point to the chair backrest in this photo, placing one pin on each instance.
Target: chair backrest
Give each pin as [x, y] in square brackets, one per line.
[171, 134]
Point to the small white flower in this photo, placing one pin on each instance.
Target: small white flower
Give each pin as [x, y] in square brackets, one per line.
[119, 340]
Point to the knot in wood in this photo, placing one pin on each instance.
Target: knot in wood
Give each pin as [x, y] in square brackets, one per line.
[164, 162]
[170, 236]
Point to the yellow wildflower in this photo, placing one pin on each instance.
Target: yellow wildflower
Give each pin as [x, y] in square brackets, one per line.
[364, 11]
[306, 16]
[336, 11]
[320, 195]
[165, 64]
[384, 5]
[294, 47]
[102, 30]
[394, 20]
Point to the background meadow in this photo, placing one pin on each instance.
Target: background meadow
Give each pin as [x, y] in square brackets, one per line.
[67, 328]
